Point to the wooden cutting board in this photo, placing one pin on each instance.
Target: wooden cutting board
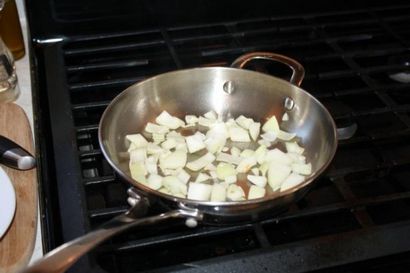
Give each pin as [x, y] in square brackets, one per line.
[16, 246]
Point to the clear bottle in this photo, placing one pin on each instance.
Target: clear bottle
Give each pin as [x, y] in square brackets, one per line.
[9, 90]
[10, 29]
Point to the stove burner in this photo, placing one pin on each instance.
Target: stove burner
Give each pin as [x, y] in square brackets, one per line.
[403, 76]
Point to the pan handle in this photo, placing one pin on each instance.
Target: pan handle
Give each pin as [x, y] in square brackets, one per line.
[298, 72]
[61, 258]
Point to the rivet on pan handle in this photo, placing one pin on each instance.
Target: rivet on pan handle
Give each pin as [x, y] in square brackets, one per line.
[298, 72]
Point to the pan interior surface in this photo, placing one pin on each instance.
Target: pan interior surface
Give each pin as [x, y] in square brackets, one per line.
[228, 91]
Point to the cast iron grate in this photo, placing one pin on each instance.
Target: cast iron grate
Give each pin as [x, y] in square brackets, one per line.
[349, 58]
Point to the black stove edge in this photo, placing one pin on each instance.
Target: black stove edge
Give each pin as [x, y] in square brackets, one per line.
[349, 247]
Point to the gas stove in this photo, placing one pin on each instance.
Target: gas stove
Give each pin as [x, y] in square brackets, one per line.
[355, 219]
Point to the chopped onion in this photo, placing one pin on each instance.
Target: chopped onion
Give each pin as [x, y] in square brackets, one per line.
[173, 160]
[224, 157]
[269, 136]
[264, 142]
[195, 143]
[218, 193]
[271, 125]
[156, 129]
[199, 191]
[210, 167]
[254, 130]
[244, 122]
[153, 148]
[285, 117]
[138, 155]
[225, 149]
[169, 144]
[297, 158]
[256, 192]
[165, 119]
[138, 171]
[158, 138]
[260, 154]
[285, 136]
[205, 122]
[257, 180]
[201, 162]
[235, 193]
[191, 119]
[235, 151]
[151, 165]
[137, 140]
[238, 134]
[183, 176]
[247, 153]
[231, 179]
[291, 181]
[211, 115]
[255, 171]
[154, 181]
[293, 147]
[224, 170]
[202, 177]
[213, 175]
[277, 155]
[264, 168]
[246, 164]
[174, 185]
[304, 169]
[277, 173]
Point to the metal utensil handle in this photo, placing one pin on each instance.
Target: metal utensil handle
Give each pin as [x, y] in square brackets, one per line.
[15, 156]
[61, 258]
[298, 72]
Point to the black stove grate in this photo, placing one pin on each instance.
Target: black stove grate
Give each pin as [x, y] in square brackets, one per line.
[359, 210]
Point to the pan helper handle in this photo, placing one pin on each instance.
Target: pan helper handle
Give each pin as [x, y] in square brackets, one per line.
[61, 258]
[298, 72]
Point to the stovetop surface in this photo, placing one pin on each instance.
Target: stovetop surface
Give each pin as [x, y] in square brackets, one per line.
[356, 217]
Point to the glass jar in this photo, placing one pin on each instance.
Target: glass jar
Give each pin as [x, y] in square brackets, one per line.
[10, 29]
[9, 90]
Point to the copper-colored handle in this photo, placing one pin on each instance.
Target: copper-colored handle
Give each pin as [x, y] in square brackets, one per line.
[298, 72]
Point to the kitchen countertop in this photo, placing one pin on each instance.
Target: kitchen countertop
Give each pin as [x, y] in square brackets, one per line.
[25, 101]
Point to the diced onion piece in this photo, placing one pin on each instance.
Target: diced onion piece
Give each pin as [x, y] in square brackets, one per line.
[235, 151]
[225, 149]
[293, 147]
[304, 169]
[291, 181]
[235, 193]
[132, 147]
[199, 191]
[191, 119]
[264, 168]
[231, 179]
[211, 115]
[183, 176]
[210, 167]
[255, 171]
[224, 170]
[201, 162]
[164, 190]
[269, 136]
[277, 155]
[254, 130]
[277, 173]
[257, 180]
[239, 134]
[213, 175]
[205, 122]
[244, 122]
[173, 160]
[271, 125]
[247, 153]
[153, 148]
[151, 165]
[264, 142]
[256, 192]
[158, 138]
[260, 154]
[202, 177]
[174, 185]
[285, 117]
[138, 155]
[169, 144]
[224, 157]
[195, 143]
[169, 121]
[246, 164]
[138, 140]
[285, 136]
[138, 171]
[154, 181]
[216, 137]
[297, 158]
[156, 129]
[218, 193]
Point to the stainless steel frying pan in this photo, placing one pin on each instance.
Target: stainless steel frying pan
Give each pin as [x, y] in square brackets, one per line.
[230, 92]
